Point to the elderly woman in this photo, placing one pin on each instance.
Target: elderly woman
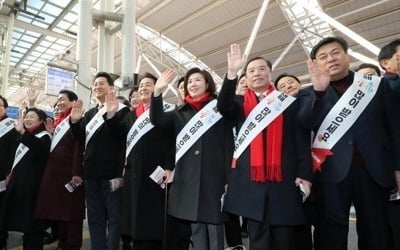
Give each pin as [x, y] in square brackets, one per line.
[17, 207]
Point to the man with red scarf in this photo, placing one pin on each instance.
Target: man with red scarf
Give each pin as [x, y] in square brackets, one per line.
[264, 179]
[55, 202]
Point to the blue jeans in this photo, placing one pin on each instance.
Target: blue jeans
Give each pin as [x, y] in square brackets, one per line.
[103, 211]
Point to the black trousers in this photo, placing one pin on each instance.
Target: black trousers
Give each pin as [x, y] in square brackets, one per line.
[394, 218]
[333, 204]
[233, 231]
[263, 236]
[33, 241]
[147, 244]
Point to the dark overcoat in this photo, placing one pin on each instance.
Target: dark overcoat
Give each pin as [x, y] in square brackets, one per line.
[54, 200]
[282, 200]
[17, 208]
[375, 132]
[143, 200]
[7, 150]
[201, 174]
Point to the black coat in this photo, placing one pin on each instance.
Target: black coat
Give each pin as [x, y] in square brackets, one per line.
[201, 174]
[248, 198]
[143, 200]
[375, 132]
[7, 151]
[105, 152]
[20, 197]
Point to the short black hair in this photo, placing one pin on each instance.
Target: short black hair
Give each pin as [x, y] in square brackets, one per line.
[105, 75]
[241, 76]
[70, 94]
[285, 75]
[180, 80]
[4, 101]
[207, 77]
[42, 115]
[123, 100]
[269, 64]
[388, 51]
[327, 40]
[148, 75]
[131, 92]
[369, 65]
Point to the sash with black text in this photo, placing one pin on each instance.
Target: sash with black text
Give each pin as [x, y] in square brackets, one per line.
[342, 116]
[259, 118]
[141, 126]
[96, 122]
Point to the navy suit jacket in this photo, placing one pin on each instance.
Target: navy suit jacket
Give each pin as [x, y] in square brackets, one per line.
[375, 133]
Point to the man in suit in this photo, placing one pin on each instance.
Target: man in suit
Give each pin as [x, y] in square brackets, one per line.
[353, 165]
[263, 185]
[389, 59]
[103, 161]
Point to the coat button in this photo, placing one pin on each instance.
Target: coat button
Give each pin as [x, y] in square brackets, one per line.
[197, 152]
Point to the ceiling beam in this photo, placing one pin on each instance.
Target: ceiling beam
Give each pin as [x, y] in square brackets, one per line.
[63, 13]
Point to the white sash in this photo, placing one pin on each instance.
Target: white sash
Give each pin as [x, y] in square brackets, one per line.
[59, 133]
[259, 118]
[6, 126]
[23, 149]
[96, 121]
[196, 127]
[343, 115]
[141, 126]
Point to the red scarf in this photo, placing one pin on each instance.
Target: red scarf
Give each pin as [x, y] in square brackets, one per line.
[61, 117]
[265, 160]
[140, 109]
[198, 103]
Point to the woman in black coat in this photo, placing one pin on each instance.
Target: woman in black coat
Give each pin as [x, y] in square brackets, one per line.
[201, 173]
[7, 144]
[17, 208]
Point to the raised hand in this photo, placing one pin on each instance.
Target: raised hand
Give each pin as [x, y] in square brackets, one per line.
[19, 125]
[49, 125]
[77, 111]
[163, 81]
[319, 78]
[235, 60]
[32, 96]
[111, 104]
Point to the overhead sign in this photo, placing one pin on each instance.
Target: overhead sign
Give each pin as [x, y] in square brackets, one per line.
[57, 80]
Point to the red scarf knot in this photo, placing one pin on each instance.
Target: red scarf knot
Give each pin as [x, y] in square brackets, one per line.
[198, 104]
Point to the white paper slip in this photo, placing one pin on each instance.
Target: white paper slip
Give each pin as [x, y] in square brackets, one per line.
[395, 197]
[3, 186]
[157, 176]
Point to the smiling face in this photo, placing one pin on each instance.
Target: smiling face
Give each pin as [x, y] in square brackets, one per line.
[258, 75]
[134, 99]
[31, 120]
[334, 59]
[196, 85]
[146, 88]
[63, 103]
[101, 87]
[241, 86]
[288, 85]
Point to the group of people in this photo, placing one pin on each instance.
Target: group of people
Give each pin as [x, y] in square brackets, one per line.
[163, 176]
